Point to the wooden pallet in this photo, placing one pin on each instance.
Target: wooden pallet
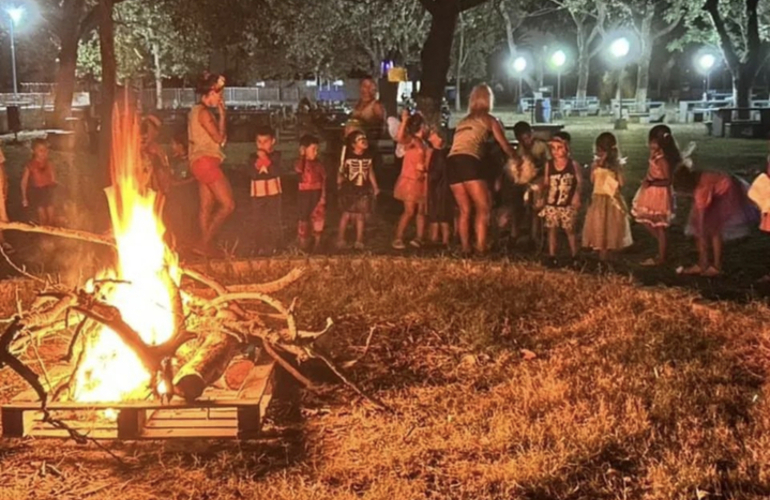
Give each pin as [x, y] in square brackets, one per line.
[218, 414]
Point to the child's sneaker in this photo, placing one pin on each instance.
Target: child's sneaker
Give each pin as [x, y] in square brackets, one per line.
[358, 245]
[398, 244]
[416, 243]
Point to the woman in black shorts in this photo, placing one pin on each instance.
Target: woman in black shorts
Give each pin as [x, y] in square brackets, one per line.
[465, 170]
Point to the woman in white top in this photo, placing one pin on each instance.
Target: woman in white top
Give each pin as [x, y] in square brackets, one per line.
[465, 168]
[207, 137]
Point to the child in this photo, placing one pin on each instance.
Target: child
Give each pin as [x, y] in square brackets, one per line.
[653, 205]
[179, 160]
[357, 184]
[312, 193]
[182, 197]
[38, 184]
[521, 198]
[721, 211]
[157, 163]
[411, 186]
[3, 198]
[606, 226]
[441, 202]
[563, 184]
[265, 194]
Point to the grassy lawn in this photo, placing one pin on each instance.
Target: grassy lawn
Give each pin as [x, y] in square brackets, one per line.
[507, 381]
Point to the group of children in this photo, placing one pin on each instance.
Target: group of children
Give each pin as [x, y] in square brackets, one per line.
[38, 188]
[721, 208]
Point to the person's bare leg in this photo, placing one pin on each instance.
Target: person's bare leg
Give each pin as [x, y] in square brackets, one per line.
[662, 236]
[703, 252]
[552, 241]
[42, 216]
[572, 239]
[464, 220]
[410, 209]
[50, 212]
[446, 233]
[479, 193]
[224, 207]
[433, 231]
[204, 212]
[420, 221]
[360, 227]
[344, 220]
[716, 245]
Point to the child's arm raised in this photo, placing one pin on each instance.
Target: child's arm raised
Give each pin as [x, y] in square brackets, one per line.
[24, 185]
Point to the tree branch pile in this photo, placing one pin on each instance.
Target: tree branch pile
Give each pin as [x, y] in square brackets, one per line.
[214, 322]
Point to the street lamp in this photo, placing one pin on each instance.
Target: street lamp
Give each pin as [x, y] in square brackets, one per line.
[705, 63]
[558, 59]
[15, 14]
[519, 66]
[620, 52]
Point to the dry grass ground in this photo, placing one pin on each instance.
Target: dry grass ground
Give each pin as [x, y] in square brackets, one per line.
[508, 381]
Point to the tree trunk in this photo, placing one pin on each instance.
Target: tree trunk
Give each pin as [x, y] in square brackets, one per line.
[65, 75]
[647, 40]
[109, 81]
[583, 72]
[458, 76]
[435, 57]
[643, 77]
[743, 81]
[158, 76]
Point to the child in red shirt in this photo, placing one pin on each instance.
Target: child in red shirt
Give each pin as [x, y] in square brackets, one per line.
[312, 193]
[38, 184]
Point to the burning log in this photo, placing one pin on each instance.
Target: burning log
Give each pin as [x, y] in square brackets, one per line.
[207, 365]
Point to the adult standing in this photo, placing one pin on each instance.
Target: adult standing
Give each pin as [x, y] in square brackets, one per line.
[465, 168]
[3, 198]
[207, 137]
[369, 111]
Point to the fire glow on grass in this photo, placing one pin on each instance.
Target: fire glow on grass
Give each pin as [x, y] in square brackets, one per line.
[146, 272]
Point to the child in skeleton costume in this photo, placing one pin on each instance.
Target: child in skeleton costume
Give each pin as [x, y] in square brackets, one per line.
[563, 184]
[357, 186]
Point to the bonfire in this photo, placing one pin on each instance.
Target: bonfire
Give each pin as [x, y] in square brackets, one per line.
[149, 327]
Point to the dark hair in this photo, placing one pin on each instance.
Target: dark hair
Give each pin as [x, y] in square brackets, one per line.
[181, 138]
[685, 179]
[352, 137]
[521, 128]
[308, 140]
[414, 123]
[206, 83]
[265, 130]
[607, 142]
[661, 134]
[38, 142]
[565, 136]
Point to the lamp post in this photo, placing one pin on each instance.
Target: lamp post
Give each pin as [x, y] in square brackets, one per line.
[619, 50]
[558, 59]
[15, 14]
[519, 66]
[706, 63]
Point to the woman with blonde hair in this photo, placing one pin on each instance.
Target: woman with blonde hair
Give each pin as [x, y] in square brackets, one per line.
[465, 166]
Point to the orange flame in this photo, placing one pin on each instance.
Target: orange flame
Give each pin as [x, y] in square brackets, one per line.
[111, 371]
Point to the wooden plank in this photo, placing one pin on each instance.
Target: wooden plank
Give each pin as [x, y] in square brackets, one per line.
[131, 423]
[191, 424]
[15, 422]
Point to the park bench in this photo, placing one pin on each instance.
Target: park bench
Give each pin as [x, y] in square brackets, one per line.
[726, 123]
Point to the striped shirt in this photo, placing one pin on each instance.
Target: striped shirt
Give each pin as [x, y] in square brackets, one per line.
[265, 175]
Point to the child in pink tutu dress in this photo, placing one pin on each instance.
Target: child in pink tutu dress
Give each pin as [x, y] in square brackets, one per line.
[721, 211]
[412, 185]
[653, 206]
[764, 224]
